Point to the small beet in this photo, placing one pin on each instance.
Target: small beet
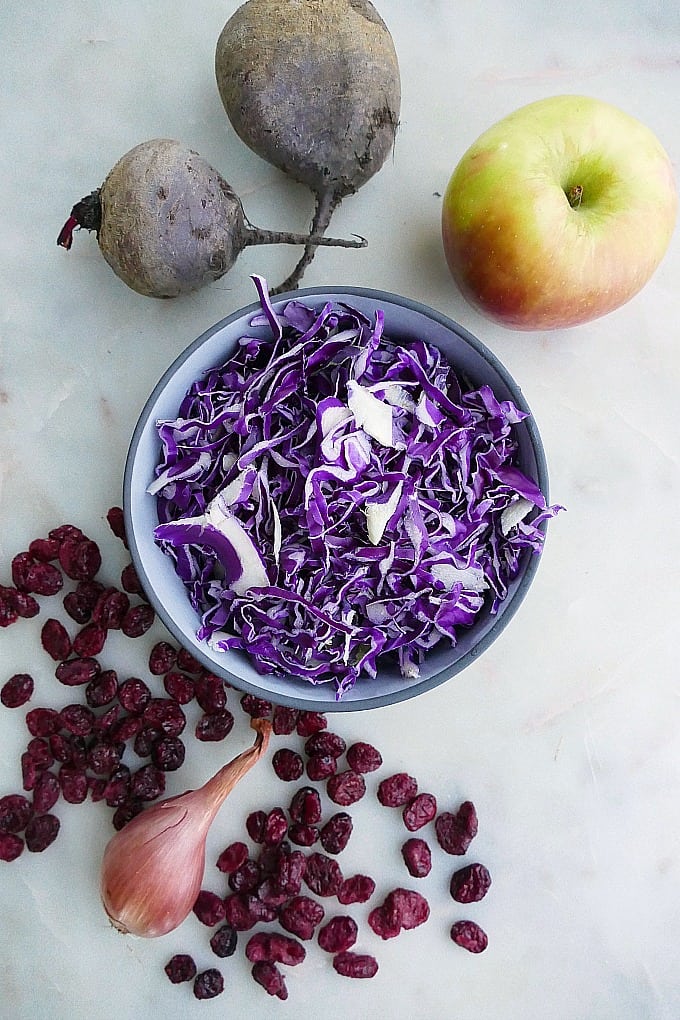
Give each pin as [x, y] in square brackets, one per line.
[168, 223]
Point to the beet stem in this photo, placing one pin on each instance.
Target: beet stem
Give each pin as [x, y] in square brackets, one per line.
[326, 204]
[256, 235]
[87, 213]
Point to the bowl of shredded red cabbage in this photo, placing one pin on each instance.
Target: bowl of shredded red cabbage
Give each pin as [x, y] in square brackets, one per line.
[336, 499]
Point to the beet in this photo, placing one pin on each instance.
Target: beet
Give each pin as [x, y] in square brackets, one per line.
[315, 90]
[168, 223]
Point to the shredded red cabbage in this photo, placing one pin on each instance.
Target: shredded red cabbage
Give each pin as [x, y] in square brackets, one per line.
[329, 497]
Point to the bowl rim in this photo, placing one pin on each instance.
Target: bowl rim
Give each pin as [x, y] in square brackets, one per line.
[429, 682]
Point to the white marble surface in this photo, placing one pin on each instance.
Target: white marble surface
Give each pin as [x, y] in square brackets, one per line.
[566, 733]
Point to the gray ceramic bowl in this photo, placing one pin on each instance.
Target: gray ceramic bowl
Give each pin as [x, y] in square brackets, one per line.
[403, 318]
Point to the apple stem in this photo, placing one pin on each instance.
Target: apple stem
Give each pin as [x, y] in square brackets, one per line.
[574, 195]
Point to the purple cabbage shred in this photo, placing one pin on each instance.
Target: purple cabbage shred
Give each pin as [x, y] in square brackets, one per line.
[330, 497]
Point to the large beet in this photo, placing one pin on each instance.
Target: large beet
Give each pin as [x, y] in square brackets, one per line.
[314, 88]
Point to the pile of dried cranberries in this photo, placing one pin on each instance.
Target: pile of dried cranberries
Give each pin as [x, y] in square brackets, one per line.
[288, 873]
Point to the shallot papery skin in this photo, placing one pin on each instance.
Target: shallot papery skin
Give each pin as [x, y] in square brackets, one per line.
[153, 868]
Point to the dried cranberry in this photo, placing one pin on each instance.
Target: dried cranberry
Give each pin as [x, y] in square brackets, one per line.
[138, 620]
[44, 549]
[384, 922]
[17, 690]
[168, 753]
[60, 747]
[179, 686]
[129, 580]
[29, 771]
[110, 608]
[470, 884]
[336, 832]
[43, 579]
[274, 948]
[216, 726]
[470, 936]
[209, 908]
[11, 846]
[15, 811]
[78, 751]
[42, 722]
[257, 708]
[89, 640]
[397, 790]
[96, 786]
[74, 672]
[256, 823]
[303, 835]
[25, 605]
[301, 915]
[21, 565]
[118, 786]
[162, 658]
[55, 640]
[244, 910]
[80, 603]
[116, 521]
[40, 832]
[325, 742]
[147, 783]
[246, 877]
[180, 967]
[339, 934]
[408, 906]
[321, 766]
[287, 764]
[284, 720]
[73, 784]
[102, 689]
[456, 831]
[323, 875]
[305, 807]
[232, 857]
[223, 942]
[275, 828]
[346, 788]
[45, 792]
[166, 715]
[134, 695]
[125, 812]
[355, 965]
[8, 614]
[417, 857]
[270, 977]
[126, 728]
[64, 531]
[40, 751]
[187, 662]
[107, 720]
[357, 889]
[77, 719]
[103, 758]
[80, 558]
[210, 693]
[310, 722]
[208, 984]
[419, 811]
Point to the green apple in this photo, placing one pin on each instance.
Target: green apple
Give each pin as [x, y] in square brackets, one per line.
[559, 213]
